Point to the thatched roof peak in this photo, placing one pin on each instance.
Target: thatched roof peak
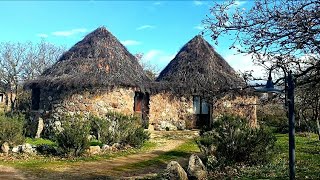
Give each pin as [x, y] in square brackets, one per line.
[198, 67]
[99, 59]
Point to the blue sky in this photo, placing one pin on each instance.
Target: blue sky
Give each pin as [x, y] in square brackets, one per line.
[156, 28]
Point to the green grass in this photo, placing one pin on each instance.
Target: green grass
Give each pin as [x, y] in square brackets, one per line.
[184, 150]
[40, 141]
[36, 163]
[307, 160]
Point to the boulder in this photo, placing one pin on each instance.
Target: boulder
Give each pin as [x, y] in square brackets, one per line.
[196, 169]
[17, 149]
[116, 146]
[94, 150]
[28, 148]
[39, 127]
[106, 147]
[175, 172]
[5, 148]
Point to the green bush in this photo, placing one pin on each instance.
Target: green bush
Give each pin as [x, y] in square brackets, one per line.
[73, 136]
[138, 137]
[11, 129]
[231, 140]
[119, 128]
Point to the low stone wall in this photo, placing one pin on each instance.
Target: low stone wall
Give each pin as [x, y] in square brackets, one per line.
[168, 112]
[243, 106]
[54, 104]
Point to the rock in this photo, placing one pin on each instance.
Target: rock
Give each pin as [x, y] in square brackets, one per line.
[46, 149]
[116, 146]
[27, 148]
[196, 169]
[94, 150]
[165, 125]
[106, 147]
[175, 172]
[181, 125]
[17, 149]
[40, 127]
[5, 148]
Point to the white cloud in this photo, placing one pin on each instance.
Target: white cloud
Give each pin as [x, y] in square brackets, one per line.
[158, 58]
[151, 54]
[130, 42]
[147, 26]
[199, 27]
[198, 3]
[69, 32]
[239, 3]
[42, 35]
[157, 3]
[242, 62]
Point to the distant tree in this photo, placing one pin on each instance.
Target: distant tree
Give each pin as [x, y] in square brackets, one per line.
[279, 34]
[149, 69]
[24, 61]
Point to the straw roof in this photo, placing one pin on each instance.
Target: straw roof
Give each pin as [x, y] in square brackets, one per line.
[199, 69]
[99, 60]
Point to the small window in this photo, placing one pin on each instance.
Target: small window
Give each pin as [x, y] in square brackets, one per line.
[1, 98]
[204, 107]
[196, 104]
[35, 102]
[200, 106]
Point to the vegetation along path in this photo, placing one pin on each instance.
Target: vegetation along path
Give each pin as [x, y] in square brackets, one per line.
[169, 146]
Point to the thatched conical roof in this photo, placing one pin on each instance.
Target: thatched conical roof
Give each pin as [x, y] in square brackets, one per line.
[198, 68]
[99, 60]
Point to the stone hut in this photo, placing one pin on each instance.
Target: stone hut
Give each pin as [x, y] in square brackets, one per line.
[196, 87]
[97, 75]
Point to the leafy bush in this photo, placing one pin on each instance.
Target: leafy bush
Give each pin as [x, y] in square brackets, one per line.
[119, 128]
[138, 137]
[11, 129]
[231, 140]
[73, 137]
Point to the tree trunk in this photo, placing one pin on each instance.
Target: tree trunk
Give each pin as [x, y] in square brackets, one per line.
[318, 128]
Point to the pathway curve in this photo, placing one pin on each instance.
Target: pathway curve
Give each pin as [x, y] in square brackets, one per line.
[104, 169]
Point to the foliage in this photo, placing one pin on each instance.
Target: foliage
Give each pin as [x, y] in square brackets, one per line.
[231, 140]
[40, 141]
[279, 35]
[273, 116]
[73, 137]
[11, 129]
[138, 137]
[119, 128]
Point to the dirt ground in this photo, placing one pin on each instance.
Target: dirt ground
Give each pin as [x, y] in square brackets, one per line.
[107, 169]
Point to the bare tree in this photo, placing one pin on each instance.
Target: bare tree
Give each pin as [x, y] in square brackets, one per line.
[149, 69]
[279, 34]
[24, 61]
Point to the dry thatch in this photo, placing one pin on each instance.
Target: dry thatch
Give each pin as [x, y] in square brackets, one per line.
[99, 60]
[198, 69]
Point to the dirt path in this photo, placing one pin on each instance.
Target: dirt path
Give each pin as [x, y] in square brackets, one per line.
[105, 169]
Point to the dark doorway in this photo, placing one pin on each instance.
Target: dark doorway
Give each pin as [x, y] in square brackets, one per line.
[35, 99]
[202, 111]
[141, 107]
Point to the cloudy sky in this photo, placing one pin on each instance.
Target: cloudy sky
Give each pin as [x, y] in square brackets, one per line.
[156, 28]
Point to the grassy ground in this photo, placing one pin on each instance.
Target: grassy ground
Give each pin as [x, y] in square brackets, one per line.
[183, 151]
[307, 160]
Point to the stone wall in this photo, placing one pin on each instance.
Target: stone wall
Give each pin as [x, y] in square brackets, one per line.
[243, 106]
[54, 104]
[167, 111]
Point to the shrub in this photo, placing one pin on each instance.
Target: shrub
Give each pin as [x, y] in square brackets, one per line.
[73, 137]
[231, 140]
[11, 129]
[138, 137]
[119, 128]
